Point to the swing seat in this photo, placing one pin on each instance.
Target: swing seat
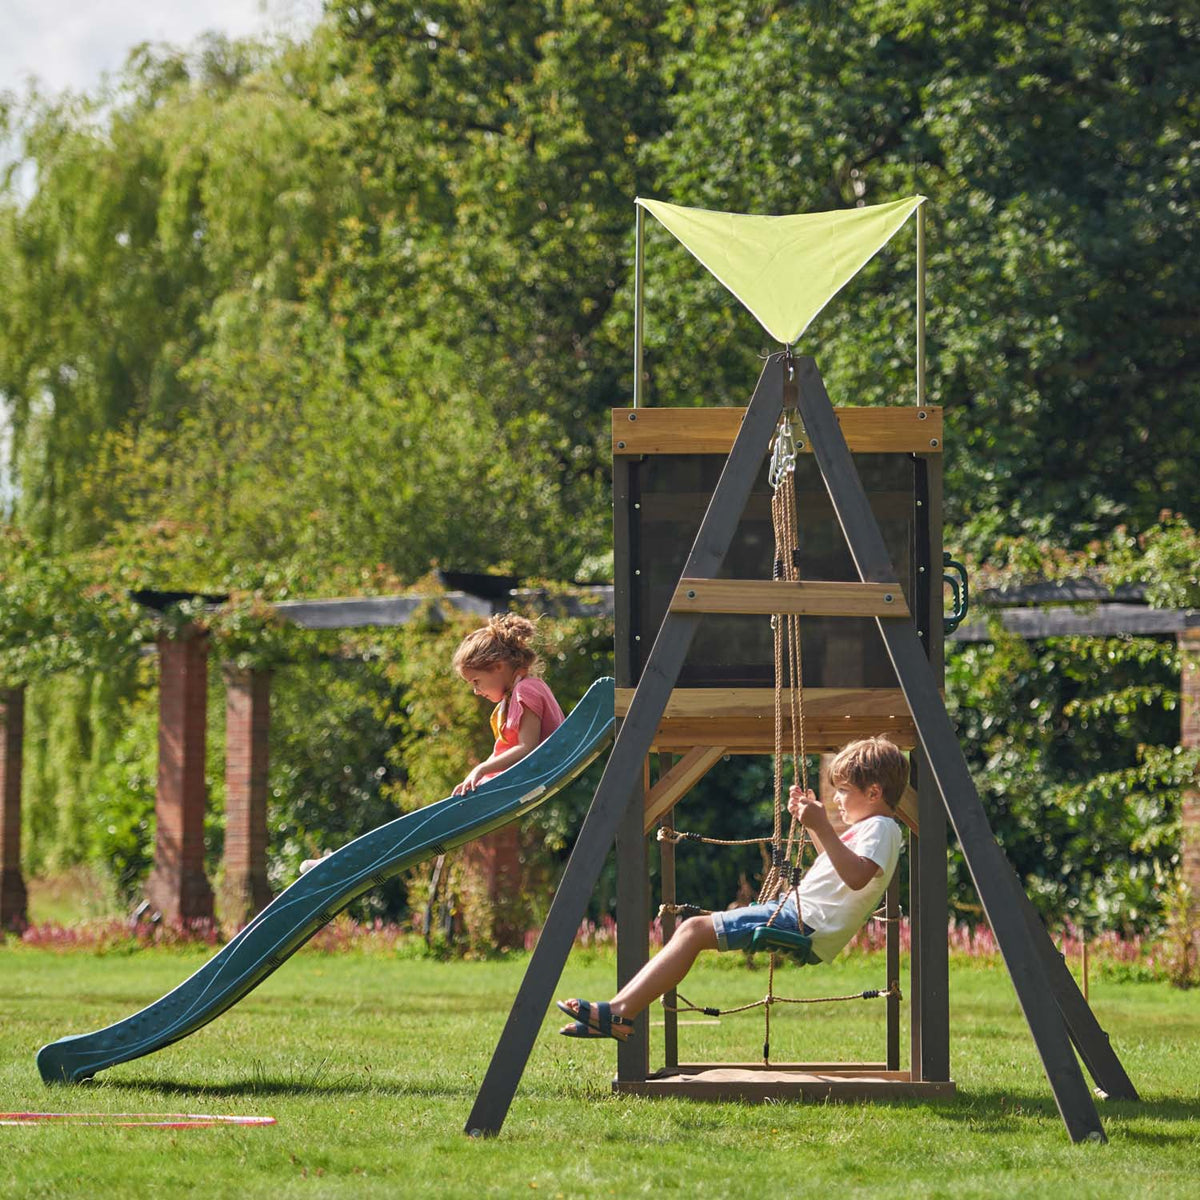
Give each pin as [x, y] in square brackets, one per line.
[796, 945]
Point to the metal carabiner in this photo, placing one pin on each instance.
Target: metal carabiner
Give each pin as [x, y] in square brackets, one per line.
[783, 454]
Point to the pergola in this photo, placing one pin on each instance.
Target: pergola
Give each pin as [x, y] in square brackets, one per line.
[178, 888]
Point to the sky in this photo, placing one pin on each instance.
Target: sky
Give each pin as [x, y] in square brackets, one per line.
[70, 44]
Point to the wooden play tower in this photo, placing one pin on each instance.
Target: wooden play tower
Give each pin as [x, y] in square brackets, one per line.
[695, 672]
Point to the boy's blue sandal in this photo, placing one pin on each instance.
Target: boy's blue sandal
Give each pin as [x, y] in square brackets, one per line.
[606, 1019]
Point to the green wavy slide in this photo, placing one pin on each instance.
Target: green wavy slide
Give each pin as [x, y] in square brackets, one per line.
[320, 894]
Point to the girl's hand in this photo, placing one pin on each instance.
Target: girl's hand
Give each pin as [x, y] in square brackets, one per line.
[470, 783]
[807, 808]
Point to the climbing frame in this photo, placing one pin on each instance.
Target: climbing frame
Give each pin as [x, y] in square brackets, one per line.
[661, 458]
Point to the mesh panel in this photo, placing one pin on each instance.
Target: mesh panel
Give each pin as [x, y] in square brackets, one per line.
[673, 492]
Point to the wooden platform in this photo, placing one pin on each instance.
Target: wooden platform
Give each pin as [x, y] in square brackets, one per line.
[753, 1083]
[742, 720]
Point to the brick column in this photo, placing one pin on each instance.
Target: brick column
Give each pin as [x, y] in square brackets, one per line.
[1189, 739]
[495, 874]
[12, 738]
[177, 886]
[245, 891]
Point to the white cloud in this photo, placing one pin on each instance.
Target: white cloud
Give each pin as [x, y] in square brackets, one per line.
[72, 43]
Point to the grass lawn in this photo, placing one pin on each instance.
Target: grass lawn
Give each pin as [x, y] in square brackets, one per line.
[371, 1064]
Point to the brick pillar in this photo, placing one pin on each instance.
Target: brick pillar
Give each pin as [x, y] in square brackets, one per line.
[247, 722]
[1189, 739]
[177, 886]
[496, 877]
[12, 738]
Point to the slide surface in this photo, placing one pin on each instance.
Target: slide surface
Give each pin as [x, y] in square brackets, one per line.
[320, 894]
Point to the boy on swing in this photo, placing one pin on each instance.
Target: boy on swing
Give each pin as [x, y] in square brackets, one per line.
[836, 896]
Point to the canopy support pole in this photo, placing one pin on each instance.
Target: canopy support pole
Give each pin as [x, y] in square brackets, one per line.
[920, 304]
[639, 312]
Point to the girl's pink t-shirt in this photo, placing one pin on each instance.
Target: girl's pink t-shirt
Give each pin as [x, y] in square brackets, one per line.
[528, 695]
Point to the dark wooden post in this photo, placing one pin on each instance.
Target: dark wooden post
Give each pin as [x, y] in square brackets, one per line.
[1189, 739]
[245, 891]
[12, 737]
[633, 924]
[177, 886]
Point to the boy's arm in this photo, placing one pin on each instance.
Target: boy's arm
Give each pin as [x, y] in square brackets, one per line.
[854, 870]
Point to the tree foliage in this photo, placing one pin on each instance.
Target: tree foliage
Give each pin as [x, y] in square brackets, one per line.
[311, 318]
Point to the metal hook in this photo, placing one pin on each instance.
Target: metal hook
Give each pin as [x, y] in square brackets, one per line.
[783, 454]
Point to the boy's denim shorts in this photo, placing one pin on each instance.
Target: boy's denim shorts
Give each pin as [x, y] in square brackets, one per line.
[735, 926]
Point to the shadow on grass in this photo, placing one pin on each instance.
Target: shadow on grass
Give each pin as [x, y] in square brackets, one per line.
[976, 1111]
[314, 1084]
[995, 1110]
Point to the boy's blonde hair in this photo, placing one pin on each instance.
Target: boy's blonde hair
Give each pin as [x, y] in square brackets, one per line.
[504, 639]
[871, 760]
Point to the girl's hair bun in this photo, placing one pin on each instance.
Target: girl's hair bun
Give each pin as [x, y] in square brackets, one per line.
[504, 639]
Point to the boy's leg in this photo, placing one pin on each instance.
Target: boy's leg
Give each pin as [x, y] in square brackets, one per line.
[666, 968]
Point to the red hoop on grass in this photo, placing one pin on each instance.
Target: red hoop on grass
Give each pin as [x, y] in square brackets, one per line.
[155, 1120]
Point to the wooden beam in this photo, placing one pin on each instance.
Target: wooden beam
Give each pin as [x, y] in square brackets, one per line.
[623, 770]
[804, 597]
[759, 703]
[742, 720]
[948, 770]
[679, 780]
[898, 430]
[770, 1086]
[673, 507]
[1083, 620]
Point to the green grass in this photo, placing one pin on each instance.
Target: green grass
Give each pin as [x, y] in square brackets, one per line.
[371, 1065]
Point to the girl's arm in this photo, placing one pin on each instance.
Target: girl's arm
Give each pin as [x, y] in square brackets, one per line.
[528, 736]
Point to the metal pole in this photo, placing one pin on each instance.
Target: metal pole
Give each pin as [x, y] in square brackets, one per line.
[639, 313]
[920, 304]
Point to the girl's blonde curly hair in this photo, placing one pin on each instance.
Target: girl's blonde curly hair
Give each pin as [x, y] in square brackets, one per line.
[504, 639]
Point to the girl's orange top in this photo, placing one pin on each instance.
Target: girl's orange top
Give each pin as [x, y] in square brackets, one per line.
[528, 694]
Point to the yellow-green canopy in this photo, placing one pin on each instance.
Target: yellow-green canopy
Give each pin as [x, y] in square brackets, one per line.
[785, 269]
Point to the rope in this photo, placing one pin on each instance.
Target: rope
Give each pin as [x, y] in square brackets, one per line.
[783, 873]
[893, 989]
[675, 836]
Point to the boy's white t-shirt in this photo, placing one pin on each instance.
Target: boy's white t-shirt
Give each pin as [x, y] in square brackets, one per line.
[836, 912]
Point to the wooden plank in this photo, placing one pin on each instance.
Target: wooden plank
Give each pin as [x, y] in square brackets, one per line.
[1091, 620]
[805, 1068]
[892, 912]
[672, 508]
[759, 703]
[929, 988]
[803, 597]
[625, 764]
[948, 770]
[742, 736]
[907, 810]
[1090, 1040]
[893, 430]
[678, 781]
[727, 1084]
[666, 859]
[742, 720]
[633, 920]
